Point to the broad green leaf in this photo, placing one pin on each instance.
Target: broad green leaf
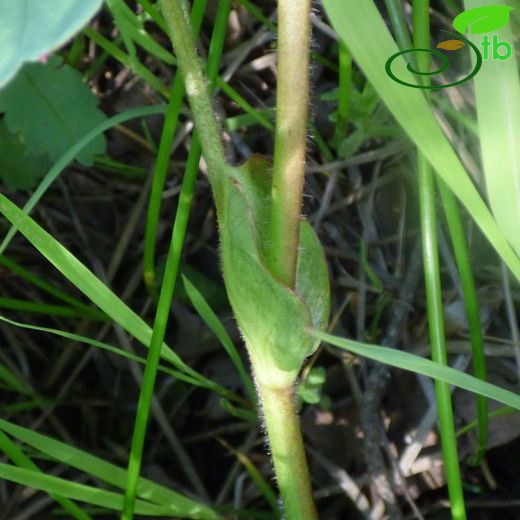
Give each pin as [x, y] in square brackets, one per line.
[51, 108]
[108, 472]
[76, 491]
[272, 317]
[353, 20]
[72, 152]
[19, 169]
[425, 367]
[497, 93]
[33, 28]
[480, 19]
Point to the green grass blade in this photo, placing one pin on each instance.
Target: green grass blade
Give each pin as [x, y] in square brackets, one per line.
[398, 21]
[499, 412]
[170, 277]
[98, 344]
[44, 308]
[13, 382]
[257, 478]
[128, 61]
[425, 367]
[79, 275]
[432, 278]
[437, 336]
[48, 288]
[76, 491]
[108, 472]
[353, 21]
[471, 305]
[497, 93]
[241, 102]
[154, 13]
[215, 325]
[19, 458]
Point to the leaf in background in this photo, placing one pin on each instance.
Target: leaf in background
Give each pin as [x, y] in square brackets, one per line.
[497, 95]
[482, 19]
[451, 45]
[310, 388]
[32, 28]
[132, 30]
[18, 168]
[52, 109]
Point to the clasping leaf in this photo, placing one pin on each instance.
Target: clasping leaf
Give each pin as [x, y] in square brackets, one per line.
[272, 317]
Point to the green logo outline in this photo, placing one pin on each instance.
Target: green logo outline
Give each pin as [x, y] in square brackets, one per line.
[478, 20]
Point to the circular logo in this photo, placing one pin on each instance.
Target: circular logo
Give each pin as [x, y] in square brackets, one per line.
[445, 63]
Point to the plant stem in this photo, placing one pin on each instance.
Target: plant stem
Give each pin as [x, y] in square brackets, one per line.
[344, 93]
[169, 281]
[469, 293]
[287, 451]
[437, 336]
[176, 15]
[278, 402]
[398, 21]
[292, 99]
[421, 24]
[162, 162]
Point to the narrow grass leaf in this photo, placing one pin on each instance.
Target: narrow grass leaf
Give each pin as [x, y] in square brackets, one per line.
[79, 275]
[108, 473]
[13, 382]
[216, 326]
[257, 478]
[18, 457]
[98, 344]
[76, 491]
[425, 367]
[39, 282]
[169, 282]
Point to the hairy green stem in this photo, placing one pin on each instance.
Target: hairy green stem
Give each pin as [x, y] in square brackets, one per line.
[162, 162]
[294, 29]
[292, 99]
[421, 24]
[176, 15]
[285, 439]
